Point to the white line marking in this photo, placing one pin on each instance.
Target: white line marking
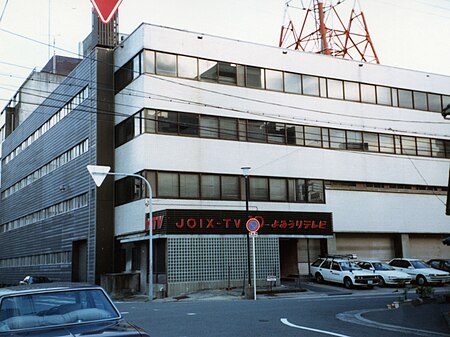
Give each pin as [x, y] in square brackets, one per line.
[286, 322]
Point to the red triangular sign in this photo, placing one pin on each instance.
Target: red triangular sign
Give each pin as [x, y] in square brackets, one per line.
[106, 8]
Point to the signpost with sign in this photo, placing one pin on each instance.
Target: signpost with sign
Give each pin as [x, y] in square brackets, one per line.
[106, 9]
[253, 226]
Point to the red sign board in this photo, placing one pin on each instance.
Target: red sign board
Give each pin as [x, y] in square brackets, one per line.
[106, 8]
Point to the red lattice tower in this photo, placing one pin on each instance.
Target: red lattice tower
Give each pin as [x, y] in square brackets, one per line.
[323, 31]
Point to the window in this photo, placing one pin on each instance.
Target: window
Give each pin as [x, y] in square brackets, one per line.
[228, 128]
[210, 186]
[292, 83]
[438, 148]
[315, 191]
[384, 96]
[295, 135]
[434, 102]
[274, 80]
[240, 75]
[408, 145]
[167, 122]
[256, 131]
[227, 73]
[313, 136]
[420, 100]
[168, 184]
[423, 147]
[207, 70]
[351, 90]
[122, 77]
[187, 67]
[278, 189]
[354, 141]
[387, 143]
[149, 61]
[230, 188]
[405, 99]
[209, 126]
[125, 131]
[188, 124]
[335, 89]
[337, 139]
[276, 132]
[149, 121]
[310, 85]
[300, 190]
[371, 142]
[259, 188]
[189, 186]
[166, 64]
[254, 77]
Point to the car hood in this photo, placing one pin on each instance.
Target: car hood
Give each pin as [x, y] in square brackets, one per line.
[105, 329]
[361, 272]
[393, 273]
[431, 271]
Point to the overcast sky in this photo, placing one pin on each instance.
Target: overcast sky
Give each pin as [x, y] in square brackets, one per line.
[413, 34]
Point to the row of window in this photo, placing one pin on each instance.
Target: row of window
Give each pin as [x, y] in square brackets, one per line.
[165, 64]
[176, 185]
[59, 115]
[37, 260]
[47, 213]
[206, 126]
[66, 157]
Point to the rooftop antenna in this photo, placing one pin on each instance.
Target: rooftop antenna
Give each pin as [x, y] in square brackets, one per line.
[323, 31]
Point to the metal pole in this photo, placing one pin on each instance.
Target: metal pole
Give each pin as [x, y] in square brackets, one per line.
[247, 188]
[254, 268]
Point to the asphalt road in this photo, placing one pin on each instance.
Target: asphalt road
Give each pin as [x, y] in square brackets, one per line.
[348, 314]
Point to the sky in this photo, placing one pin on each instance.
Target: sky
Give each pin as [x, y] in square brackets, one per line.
[412, 34]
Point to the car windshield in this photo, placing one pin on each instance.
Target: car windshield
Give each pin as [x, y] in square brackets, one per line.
[52, 308]
[382, 266]
[419, 264]
[349, 266]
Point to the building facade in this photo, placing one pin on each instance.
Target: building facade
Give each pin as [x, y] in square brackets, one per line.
[345, 157]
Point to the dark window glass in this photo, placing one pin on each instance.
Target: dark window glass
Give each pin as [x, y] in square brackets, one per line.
[295, 135]
[337, 139]
[127, 189]
[313, 136]
[123, 76]
[242, 126]
[445, 101]
[256, 131]
[168, 185]
[438, 148]
[405, 99]
[210, 186]
[447, 148]
[189, 185]
[227, 73]
[254, 77]
[325, 138]
[276, 133]
[240, 73]
[278, 189]
[420, 100]
[335, 266]
[434, 103]
[259, 188]
[166, 64]
[125, 131]
[188, 124]
[228, 128]
[326, 264]
[310, 85]
[207, 70]
[408, 145]
[230, 187]
[423, 147]
[315, 191]
[387, 143]
[300, 190]
[209, 126]
[167, 122]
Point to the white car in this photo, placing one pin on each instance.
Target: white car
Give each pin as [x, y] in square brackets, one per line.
[342, 270]
[388, 274]
[420, 271]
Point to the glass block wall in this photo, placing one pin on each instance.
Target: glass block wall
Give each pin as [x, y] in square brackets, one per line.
[212, 259]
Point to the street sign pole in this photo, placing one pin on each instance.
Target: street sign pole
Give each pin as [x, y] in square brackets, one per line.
[254, 267]
[253, 226]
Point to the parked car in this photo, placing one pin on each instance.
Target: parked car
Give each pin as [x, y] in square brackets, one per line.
[61, 309]
[35, 279]
[388, 275]
[339, 269]
[421, 272]
[441, 264]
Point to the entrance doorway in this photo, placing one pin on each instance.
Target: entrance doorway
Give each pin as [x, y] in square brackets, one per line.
[79, 261]
[288, 260]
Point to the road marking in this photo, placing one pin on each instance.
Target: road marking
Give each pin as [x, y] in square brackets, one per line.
[124, 312]
[286, 322]
[191, 314]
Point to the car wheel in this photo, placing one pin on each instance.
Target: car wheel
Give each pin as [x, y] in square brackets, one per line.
[319, 278]
[348, 283]
[381, 282]
[421, 280]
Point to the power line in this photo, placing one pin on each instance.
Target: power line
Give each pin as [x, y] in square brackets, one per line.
[4, 10]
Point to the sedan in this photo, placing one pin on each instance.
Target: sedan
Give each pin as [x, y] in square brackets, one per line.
[388, 275]
[61, 310]
[441, 264]
[420, 271]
